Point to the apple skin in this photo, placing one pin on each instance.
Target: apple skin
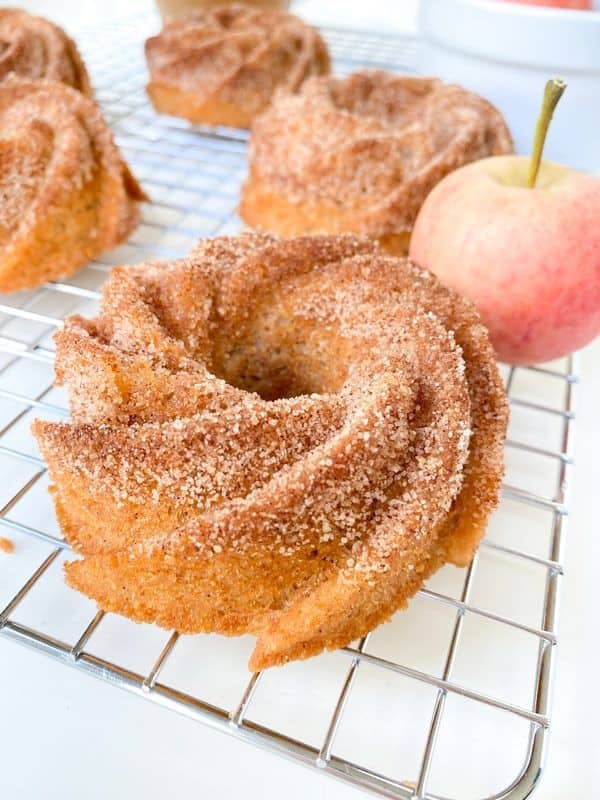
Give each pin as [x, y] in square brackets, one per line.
[528, 258]
[584, 5]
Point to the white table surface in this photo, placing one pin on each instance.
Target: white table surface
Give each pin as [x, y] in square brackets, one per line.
[66, 735]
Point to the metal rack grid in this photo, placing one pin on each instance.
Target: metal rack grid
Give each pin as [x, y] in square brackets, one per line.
[193, 176]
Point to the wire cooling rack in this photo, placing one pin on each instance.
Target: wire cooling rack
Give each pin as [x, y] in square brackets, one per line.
[449, 700]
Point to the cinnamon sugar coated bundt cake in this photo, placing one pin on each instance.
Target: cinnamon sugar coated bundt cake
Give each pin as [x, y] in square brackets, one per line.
[360, 154]
[222, 66]
[65, 193]
[276, 437]
[34, 48]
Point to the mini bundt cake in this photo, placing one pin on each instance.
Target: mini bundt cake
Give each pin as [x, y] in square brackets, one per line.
[65, 192]
[34, 48]
[222, 66]
[360, 154]
[276, 437]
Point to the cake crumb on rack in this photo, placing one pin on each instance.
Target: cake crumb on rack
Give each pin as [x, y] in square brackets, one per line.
[6, 546]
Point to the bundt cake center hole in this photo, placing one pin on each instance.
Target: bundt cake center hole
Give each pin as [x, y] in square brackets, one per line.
[283, 369]
[274, 384]
[379, 99]
[273, 378]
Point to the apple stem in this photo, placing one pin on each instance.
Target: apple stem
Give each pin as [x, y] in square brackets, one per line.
[552, 94]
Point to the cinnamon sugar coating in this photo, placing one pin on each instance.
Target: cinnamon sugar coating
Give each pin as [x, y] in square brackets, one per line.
[281, 437]
[222, 66]
[35, 48]
[66, 194]
[361, 153]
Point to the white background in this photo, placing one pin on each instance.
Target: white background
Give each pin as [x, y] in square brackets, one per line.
[65, 735]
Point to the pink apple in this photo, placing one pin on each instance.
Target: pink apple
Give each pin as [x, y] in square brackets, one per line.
[528, 258]
[586, 5]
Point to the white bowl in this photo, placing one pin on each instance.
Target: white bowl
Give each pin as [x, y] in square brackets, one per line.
[506, 52]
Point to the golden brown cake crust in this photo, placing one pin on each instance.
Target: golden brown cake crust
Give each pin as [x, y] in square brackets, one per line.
[281, 437]
[223, 65]
[35, 48]
[65, 193]
[360, 154]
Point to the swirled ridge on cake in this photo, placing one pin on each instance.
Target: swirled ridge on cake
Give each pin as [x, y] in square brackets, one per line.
[222, 66]
[276, 437]
[35, 48]
[66, 194]
[360, 154]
